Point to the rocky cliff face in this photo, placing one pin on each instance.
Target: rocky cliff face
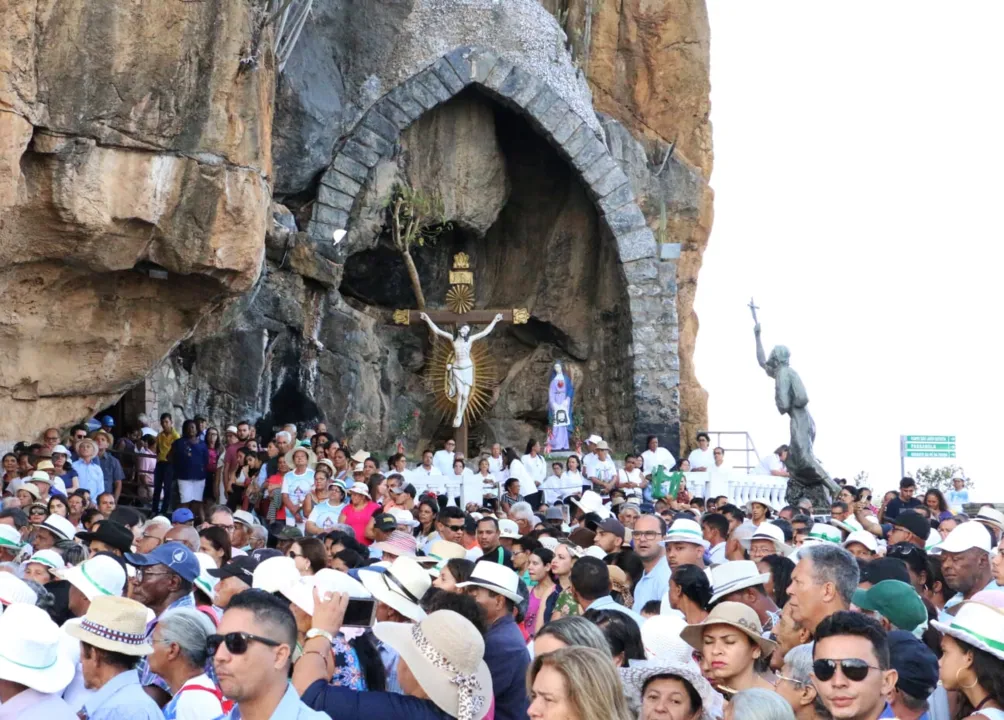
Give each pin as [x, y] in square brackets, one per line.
[130, 141]
[569, 203]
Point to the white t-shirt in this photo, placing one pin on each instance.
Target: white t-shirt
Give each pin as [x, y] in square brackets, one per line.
[624, 477]
[325, 516]
[298, 486]
[423, 480]
[195, 704]
[526, 484]
[653, 459]
[495, 464]
[536, 467]
[443, 461]
[768, 464]
[588, 460]
[604, 470]
[701, 458]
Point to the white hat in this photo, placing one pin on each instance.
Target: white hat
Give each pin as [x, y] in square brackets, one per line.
[101, 575]
[31, 489]
[768, 531]
[49, 558]
[244, 518]
[989, 515]
[148, 432]
[595, 551]
[14, 590]
[497, 578]
[275, 573]
[360, 488]
[508, 529]
[593, 439]
[550, 543]
[964, 537]
[736, 575]
[687, 531]
[31, 650]
[445, 653]
[862, 537]
[10, 538]
[311, 457]
[41, 476]
[660, 637]
[206, 582]
[591, 502]
[230, 429]
[980, 625]
[402, 517]
[635, 675]
[61, 449]
[301, 592]
[401, 587]
[116, 624]
[360, 456]
[60, 526]
[821, 532]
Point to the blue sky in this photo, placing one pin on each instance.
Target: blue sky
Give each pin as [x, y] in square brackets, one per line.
[859, 180]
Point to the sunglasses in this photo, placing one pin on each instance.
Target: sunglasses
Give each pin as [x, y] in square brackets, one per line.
[853, 669]
[236, 642]
[455, 528]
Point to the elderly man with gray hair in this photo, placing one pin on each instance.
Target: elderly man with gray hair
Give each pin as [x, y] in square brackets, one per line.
[179, 657]
[823, 583]
[521, 513]
[794, 684]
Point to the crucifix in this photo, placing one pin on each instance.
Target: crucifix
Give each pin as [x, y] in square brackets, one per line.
[458, 377]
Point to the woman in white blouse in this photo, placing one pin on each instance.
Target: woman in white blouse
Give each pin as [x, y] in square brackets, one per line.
[534, 463]
[518, 470]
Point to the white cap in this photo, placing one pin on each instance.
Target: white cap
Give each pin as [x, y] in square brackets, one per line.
[403, 517]
[508, 529]
[964, 537]
[148, 432]
[275, 573]
[61, 449]
[862, 537]
[301, 591]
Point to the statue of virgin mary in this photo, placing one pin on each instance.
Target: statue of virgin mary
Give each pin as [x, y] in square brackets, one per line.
[559, 407]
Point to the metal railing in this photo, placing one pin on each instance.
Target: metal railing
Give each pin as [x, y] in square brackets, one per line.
[747, 449]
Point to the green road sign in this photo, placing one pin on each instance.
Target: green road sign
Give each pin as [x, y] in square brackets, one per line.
[930, 454]
[927, 446]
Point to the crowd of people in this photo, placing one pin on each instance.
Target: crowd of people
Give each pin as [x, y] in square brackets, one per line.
[292, 577]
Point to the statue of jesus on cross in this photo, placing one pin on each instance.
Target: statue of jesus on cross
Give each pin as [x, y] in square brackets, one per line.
[461, 370]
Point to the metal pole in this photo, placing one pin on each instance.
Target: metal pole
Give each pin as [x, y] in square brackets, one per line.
[902, 456]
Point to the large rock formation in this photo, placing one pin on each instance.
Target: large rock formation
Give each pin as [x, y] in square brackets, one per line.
[545, 126]
[131, 141]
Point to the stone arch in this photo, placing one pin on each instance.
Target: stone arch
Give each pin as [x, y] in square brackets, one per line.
[651, 290]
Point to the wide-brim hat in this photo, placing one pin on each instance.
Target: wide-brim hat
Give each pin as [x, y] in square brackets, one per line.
[31, 654]
[733, 576]
[360, 456]
[660, 638]
[115, 624]
[768, 531]
[206, 582]
[360, 488]
[40, 475]
[324, 462]
[398, 544]
[441, 552]
[15, 591]
[59, 526]
[602, 445]
[301, 592]
[445, 653]
[497, 578]
[244, 518]
[591, 502]
[111, 533]
[741, 617]
[311, 457]
[989, 515]
[401, 586]
[49, 559]
[100, 575]
[687, 531]
[638, 672]
[824, 533]
[980, 625]
[275, 573]
[30, 489]
[10, 538]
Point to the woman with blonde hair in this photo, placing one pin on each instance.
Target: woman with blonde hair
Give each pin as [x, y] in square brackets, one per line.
[575, 683]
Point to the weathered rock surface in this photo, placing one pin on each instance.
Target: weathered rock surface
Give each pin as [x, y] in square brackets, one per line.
[129, 140]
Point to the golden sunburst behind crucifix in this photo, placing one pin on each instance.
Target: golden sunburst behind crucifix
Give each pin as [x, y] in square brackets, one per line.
[437, 379]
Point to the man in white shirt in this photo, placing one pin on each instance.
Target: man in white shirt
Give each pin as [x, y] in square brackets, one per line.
[495, 460]
[443, 459]
[603, 473]
[630, 479]
[715, 529]
[656, 456]
[589, 459]
[427, 476]
[701, 457]
[773, 464]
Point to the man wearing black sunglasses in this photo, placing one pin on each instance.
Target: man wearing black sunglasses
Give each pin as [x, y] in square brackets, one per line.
[252, 654]
[851, 667]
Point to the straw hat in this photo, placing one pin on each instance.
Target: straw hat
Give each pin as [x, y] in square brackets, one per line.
[31, 489]
[311, 457]
[301, 592]
[441, 552]
[989, 515]
[497, 578]
[40, 475]
[731, 577]
[14, 591]
[398, 544]
[360, 456]
[244, 518]
[31, 650]
[445, 653]
[116, 624]
[741, 617]
[638, 672]
[328, 464]
[401, 586]
[768, 531]
[660, 637]
[980, 625]
[101, 575]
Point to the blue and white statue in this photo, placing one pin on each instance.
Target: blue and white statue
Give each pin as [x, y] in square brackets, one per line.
[559, 408]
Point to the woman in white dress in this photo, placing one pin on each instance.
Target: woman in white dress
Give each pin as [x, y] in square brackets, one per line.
[518, 470]
[534, 463]
[489, 485]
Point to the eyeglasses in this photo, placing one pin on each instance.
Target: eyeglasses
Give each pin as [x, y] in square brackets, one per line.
[52, 437]
[294, 554]
[228, 528]
[793, 681]
[903, 550]
[146, 536]
[236, 642]
[141, 574]
[80, 436]
[854, 669]
[647, 535]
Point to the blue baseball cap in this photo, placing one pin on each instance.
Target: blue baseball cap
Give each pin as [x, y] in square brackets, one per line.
[108, 420]
[182, 515]
[916, 664]
[174, 556]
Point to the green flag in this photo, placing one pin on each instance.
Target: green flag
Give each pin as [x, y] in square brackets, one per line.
[665, 485]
